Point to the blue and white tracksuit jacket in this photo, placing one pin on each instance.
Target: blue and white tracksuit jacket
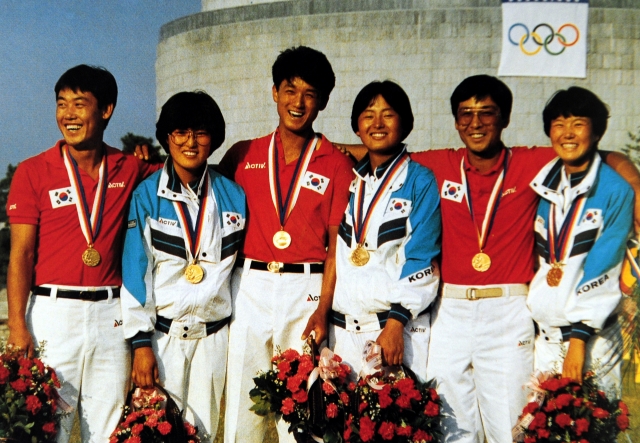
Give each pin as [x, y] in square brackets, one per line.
[403, 241]
[155, 253]
[589, 290]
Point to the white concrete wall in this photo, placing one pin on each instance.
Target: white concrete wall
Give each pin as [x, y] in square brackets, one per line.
[428, 47]
[210, 5]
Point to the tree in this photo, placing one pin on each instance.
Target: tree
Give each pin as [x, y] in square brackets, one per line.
[632, 150]
[130, 140]
[5, 246]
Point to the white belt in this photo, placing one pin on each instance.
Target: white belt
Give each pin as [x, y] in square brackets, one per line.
[478, 292]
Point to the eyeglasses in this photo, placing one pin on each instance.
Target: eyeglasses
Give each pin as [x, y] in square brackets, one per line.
[486, 116]
[180, 137]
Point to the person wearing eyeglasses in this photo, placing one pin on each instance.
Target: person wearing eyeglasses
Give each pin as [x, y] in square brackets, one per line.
[185, 227]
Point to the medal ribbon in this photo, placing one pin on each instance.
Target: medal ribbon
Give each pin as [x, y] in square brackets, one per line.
[90, 222]
[193, 234]
[558, 241]
[283, 210]
[492, 204]
[362, 217]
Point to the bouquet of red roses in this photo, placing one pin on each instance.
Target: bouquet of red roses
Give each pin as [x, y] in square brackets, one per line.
[392, 406]
[563, 410]
[145, 420]
[286, 390]
[28, 398]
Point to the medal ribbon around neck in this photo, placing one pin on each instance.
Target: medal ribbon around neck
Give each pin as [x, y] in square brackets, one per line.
[362, 217]
[283, 210]
[193, 235]
[492, 204]
[558, 241]
[90, 222]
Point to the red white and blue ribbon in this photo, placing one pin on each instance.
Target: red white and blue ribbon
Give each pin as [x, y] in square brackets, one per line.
[492, 204]
[362, 215]
[193, 232]
[558, 241]
[283, 209]
[90, 222]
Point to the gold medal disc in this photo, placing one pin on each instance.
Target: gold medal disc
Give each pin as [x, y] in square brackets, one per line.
[91, 257]
[554, 275]
[359, 256]
[194, 273]
[281, 239]
[481, 262]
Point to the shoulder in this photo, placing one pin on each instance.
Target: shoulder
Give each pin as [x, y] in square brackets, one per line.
[613, 182]
[431, 158]
[148, 188]
[229, 185]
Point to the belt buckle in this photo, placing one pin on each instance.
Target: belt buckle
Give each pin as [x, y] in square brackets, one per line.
[470, 294]
[275, 266]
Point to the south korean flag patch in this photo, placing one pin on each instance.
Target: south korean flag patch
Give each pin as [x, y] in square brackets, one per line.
[452, 191]
[315, 182]
[399, 207]
[232, 219]
[62, 197]
[591, 217]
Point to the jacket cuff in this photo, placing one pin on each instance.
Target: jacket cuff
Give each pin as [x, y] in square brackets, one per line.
[140, 340]
[398, 312]
[581, 331]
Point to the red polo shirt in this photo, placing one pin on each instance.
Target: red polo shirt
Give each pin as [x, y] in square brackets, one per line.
[510, 243]
[39, 195]
[247, 164]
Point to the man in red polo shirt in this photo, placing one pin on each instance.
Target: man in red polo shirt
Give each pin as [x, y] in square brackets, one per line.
[297, 187]
[67, 209]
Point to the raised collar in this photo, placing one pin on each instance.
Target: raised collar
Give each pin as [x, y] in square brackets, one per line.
[548, 180]
[169, 181]
[363, 168]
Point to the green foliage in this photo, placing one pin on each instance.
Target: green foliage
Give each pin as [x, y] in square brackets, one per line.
[5, 183]
[130, 140]
[5, 246]
[632, 150]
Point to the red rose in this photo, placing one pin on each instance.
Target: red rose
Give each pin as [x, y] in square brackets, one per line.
[384, 399]
[404, 385]
[287, 406]
[434, 394]
[539, 421]
[584, 440]
[135, 439]
[553, 384]
[623, 407]
[39, 365]
[293, 383]
[191, 430]
[300, 396]
[623, 422]
[351, 386]
[563, 420]
[137, 429]
[164, 427]
[328, 388]
[362, 406]
[4, 375]
[19, 385]
[565, 381]
[367, 429]
[305, 367]
[33, 404]
[54, 379]
[387, 430]
[290, 354]
[582, 425]
[344, 397]
[564, 400]
[152, 421]
[49, 428]
[25, 372]
[404, 431]
[530, 440]
[403, 401]
[332, 410]
[347, 433]
[531, 408]
[284, 367]
[600, 413]
[550, 406]
[543, 432]
[578, 402]
[432, 409]
[421, 436]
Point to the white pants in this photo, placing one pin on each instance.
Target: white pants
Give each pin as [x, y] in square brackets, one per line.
[350, 344]
[269, 310]
[603, 356]
[193, 372]
[85, 345]
[481, 355]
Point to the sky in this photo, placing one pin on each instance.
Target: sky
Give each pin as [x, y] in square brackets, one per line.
[41, 39]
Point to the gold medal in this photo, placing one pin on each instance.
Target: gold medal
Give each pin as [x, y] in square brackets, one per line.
[554, 275]
[194, 273]
[481, 262]
[91, 257]
[281, 239]
[359, 256]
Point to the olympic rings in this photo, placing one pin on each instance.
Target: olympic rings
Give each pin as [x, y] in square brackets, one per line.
[546, 41]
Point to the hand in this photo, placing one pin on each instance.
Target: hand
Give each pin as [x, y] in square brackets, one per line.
[574, 360]
[318, 323]
[20, 338]
[391, 340]
[142, 152]
[145, 368]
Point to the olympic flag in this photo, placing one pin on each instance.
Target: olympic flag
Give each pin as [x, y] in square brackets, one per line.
[546, 38]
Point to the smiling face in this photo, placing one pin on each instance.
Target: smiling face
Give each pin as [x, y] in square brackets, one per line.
[380, 128]
[80, 119]
[481, 135]
[573, 140]
[190, 157]
[298, 105]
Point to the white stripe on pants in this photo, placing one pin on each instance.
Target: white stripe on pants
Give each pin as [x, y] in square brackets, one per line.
[481, 355]
[193, 372]
[269, 310]
[86, 347]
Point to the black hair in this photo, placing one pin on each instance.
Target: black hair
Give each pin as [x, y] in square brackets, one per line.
[393, 94]
[308, 64]
[191, 110]
[481, 87]
[94, 79]
[576, 102]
